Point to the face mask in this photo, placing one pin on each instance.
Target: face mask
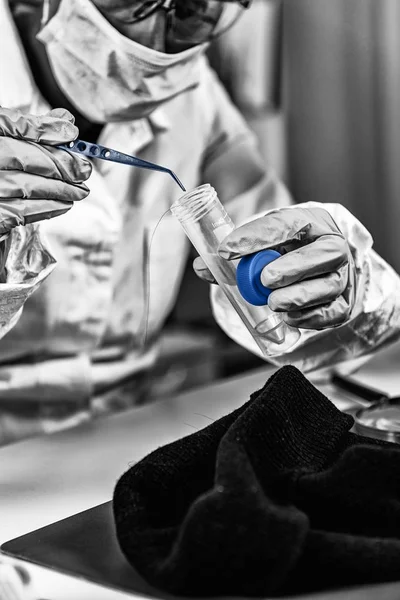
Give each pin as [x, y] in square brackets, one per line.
[107, 76]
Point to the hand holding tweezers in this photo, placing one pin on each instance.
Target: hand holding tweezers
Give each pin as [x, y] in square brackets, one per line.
[97, 151]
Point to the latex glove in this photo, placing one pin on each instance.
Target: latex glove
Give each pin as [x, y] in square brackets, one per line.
[38, 181]
[314, 281]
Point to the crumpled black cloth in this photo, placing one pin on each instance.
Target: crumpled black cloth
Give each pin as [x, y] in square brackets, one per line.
[278, 497]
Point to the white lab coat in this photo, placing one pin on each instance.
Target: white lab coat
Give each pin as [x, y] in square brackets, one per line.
[92, 306]
[91, 309]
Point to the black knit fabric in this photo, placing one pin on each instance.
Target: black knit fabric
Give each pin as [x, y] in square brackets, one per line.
[277, 497]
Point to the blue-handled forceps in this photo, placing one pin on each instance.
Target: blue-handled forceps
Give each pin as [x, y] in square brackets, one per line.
[97, 151]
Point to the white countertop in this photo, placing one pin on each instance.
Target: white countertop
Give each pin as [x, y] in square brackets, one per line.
[47, 479]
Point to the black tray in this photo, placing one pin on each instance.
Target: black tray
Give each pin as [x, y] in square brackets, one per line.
[83, 546]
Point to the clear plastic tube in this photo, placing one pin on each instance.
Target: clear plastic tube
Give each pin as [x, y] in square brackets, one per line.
[206, 223]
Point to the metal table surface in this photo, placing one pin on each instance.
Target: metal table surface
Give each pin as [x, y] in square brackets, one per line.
[44, 480]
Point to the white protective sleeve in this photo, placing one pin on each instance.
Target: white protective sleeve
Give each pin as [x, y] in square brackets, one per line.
[373, 323]
[29, 262]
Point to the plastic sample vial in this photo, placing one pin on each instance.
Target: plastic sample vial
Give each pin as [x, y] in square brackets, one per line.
[206, 223]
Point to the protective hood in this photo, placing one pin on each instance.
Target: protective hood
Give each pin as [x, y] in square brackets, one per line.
[107, 76]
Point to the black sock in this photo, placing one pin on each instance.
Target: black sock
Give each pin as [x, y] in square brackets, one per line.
[276, 497]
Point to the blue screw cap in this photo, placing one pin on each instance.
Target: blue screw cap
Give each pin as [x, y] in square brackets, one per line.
[248, 276]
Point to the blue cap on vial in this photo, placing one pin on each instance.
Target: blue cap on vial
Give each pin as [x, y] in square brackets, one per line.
[248, 276]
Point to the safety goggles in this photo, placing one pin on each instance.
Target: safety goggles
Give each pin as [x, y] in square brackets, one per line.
[191, 22]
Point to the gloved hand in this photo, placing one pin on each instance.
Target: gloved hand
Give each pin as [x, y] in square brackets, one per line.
[314, 279]
[38, 181]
